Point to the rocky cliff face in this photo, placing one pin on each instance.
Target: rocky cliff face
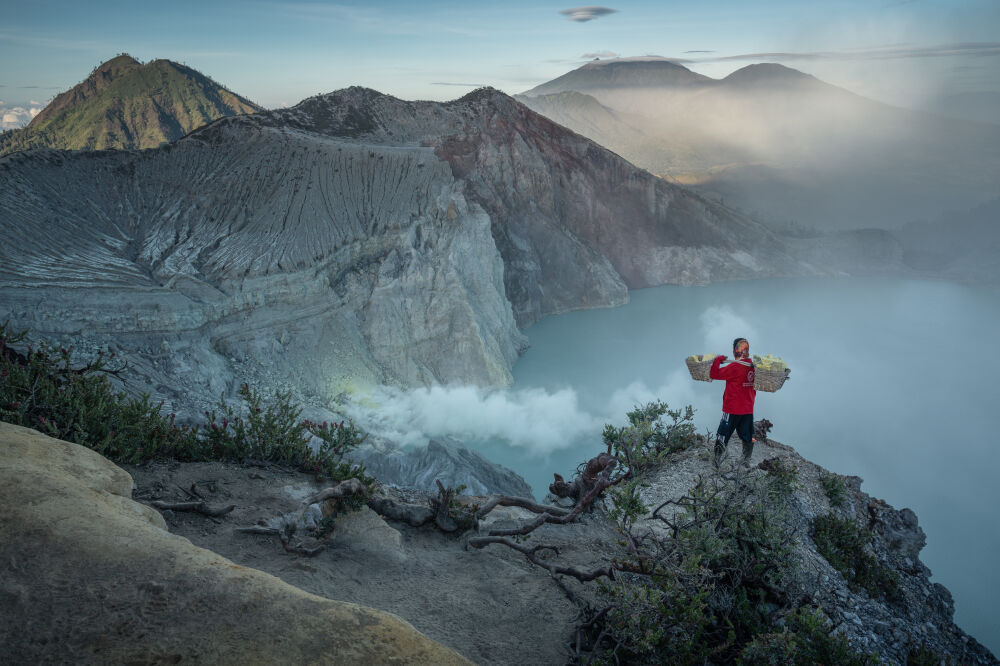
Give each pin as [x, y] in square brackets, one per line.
[918, 613]
[444, 459]
[313, 262]
[575, 223]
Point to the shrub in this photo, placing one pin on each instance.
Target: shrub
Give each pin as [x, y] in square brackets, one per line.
[784, 475]
[273, 432]
[806, 640]
[648, 437]
[43, 390]
[834, 488]
[708, 586]
[845, 545]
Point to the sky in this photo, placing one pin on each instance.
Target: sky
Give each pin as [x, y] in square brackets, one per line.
[904, 52]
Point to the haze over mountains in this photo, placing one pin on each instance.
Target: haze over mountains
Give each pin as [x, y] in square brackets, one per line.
[126, 104]
[778, 143]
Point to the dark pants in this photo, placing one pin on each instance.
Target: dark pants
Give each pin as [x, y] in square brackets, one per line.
[742, 425]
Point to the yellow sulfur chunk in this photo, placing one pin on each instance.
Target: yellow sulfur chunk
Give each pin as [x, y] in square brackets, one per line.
[769, 362]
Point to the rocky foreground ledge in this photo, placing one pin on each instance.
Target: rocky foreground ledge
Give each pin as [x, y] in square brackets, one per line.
[92, 576]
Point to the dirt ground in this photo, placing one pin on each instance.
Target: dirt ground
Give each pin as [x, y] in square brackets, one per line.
[490, 605]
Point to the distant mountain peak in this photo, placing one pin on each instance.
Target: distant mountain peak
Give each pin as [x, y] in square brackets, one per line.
[121, 60]
[658, 60]
[126, 104]
[767, 72]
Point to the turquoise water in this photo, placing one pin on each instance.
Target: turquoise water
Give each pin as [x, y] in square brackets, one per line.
[896, 381]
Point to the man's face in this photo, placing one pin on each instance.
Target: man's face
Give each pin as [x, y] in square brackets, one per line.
[742, 349]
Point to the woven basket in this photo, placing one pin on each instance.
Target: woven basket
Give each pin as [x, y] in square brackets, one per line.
[769, 380]
[699, 369]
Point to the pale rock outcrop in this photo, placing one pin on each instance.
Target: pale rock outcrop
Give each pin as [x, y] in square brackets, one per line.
[89, 576]
[443, 459]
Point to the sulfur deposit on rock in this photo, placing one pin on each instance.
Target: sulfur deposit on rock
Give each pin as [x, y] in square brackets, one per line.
[89, 576]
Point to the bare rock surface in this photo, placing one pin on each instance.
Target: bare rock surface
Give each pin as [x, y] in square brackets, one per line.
[490, 605]
[90, 576]
[445, 459]
[296, 258]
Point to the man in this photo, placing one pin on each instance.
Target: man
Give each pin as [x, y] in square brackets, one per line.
[737, 400]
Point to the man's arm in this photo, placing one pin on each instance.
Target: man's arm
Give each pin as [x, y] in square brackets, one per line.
[731, 371]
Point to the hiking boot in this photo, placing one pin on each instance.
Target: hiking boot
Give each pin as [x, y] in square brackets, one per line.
[720, 451]
[747, 453]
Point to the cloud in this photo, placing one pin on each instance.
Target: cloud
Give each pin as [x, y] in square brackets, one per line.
[588, 13]
[600, 54]
[699, 52]
[16, 116]
[463, 85]
[894, 52]
[34, 103]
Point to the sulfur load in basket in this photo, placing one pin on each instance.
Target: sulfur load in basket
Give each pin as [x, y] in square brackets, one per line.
[770, 372]
[699, 365]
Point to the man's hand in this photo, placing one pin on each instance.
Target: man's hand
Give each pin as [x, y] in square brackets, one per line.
[722, 356]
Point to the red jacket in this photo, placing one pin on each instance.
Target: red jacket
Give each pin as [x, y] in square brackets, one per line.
[740, 393]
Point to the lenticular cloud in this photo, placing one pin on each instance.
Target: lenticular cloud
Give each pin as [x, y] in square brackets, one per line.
[588, 13]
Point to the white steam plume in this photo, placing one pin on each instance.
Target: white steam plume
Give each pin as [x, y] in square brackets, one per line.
[533, 419]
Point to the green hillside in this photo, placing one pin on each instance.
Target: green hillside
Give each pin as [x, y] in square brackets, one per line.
[127, 104]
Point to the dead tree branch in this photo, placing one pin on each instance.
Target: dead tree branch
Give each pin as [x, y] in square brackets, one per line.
[508, 500]
[198, 507]
[343, 489]
[532, 556]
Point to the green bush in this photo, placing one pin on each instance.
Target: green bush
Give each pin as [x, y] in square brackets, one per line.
[844, 543]
[707, 588]
[834, 488]
[784, 475]
[43, 389]
[806, 640]
[649, 438]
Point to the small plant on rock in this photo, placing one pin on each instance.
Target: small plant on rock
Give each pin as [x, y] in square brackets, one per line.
[806, 640]
[845, 544]
[648, 437]
[784, 475]
[834, 487]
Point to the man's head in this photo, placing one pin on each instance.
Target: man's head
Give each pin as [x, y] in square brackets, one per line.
[741, 348]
